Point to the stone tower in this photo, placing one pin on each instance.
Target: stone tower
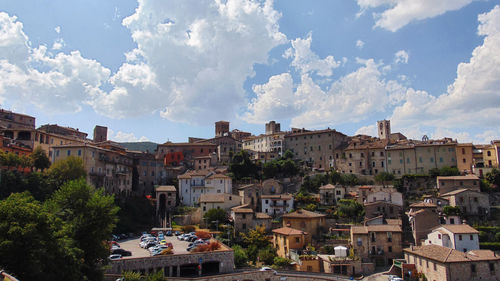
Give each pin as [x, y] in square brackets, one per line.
[384, 129]
[221, 128]
[100, 133]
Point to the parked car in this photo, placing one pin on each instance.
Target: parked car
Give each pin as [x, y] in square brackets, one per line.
[181, 236]
[266, 268]
[177, 233]
[115, 257]
[169, 233]
[150, 244]
[192, 238]
[122, 252]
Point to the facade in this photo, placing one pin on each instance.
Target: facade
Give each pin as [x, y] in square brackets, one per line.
[312, 223]
[383, 208]
[315, 148]
[439, 263]
[415, 157]
[465, 159]
[461, 237]
[271, 186]
[47, 140]
[205, 162]
[226, 146]
[265, 143]
[250, 195]
[244, 219]
[393, 197]
[100, 133]
[384, 129]
[469, 201]
[364, 155]
[448, 184]
[422, 220]
[286, 239]
[193, 184]
[377, 243]
[223, 201]
[275, 205]
[150, 172]
[105, 167]
[179, 154]
[221, 128]
[330, 194]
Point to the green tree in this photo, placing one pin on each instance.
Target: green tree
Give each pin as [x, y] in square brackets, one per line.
[288, 154]
[270, 169]
[242, 167]
[348, 208]
[70, 168]
[266, 255]
[452, 211]
[493, 177]
[28, 246]
[255, 240]
[282, 263]
[384, 177]
[240, 256]
[447, 171]
[311, 207]
[86, 216]
[40, 159]
[215, 215]
[349, 179]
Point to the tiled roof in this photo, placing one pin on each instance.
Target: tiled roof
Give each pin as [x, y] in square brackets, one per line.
[301, 213]
[381, 202]
[262, 216]
[375, 228]
[289, 231]
[313, 133]
[423, 205]
[394, 221]
[243, 211]
[327, 186]
[218, 176]
[278, 196]
[458, 191]
[212, 198]
[459, 228]
[466, 177]
[166, 188]
[445, 255]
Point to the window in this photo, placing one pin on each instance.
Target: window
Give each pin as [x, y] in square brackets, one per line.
[471, 237]
[69, 152]
[489, 153]
[439, 236]
[473, 268]
[297, 240]
[389, 249]
[244, 226]
[427, 263]
[432, 160]
[460, 237]
[389, 236]
[492, 268]
[435, 267]
[243, 216]
[382, 164]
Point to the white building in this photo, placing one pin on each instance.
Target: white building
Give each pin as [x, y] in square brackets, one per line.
[195, 183]
[461, 237]
[275, 205]
[218, 201]
[394, 197]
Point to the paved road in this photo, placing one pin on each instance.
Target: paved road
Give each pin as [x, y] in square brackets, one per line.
[132, 245]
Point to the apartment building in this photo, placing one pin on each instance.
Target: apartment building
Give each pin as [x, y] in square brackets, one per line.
[461, 237]
[48, 136]
[330, 194]
[313, 224]
[226, 147]
[275, 205]
[222, 201]
[465, 158]
[179, 154]
[193, 184]
[18, 127]
[419, 157]
[364, 155]
[439, 263]
[271, 141]
[451, 183]
[469, 201]
[377, 243]
[150, 172]
[287, 239]
[105, 167]
[316, 148]
[245, 219]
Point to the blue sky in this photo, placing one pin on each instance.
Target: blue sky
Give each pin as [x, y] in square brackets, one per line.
[165, 70]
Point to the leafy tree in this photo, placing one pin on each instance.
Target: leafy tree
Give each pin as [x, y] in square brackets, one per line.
[288, 155]
[493, 177]
[255, 240]
[70, 168]
[242, 167]
[215, 215]
[335, 177]
[240, 256]
[38, 184]
[40, 159]
[270, 169]
[267, 255]
[384, 177]
[348, 208]
[349, 179]
[87, 216]
[283, 263]
[447, 171]
[28, 246]
[452, 211]
[311, 207]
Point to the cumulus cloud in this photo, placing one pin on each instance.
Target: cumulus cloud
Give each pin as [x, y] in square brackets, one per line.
[370, 130]
[360, 44]
[399, 13]
[56, 83]
[57, 29]
[125, 137]
[306, 61]
[401, 57]
[192, 59]
[58, 44]
[352, 98]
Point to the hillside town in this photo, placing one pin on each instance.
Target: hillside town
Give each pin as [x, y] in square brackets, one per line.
[326, 204]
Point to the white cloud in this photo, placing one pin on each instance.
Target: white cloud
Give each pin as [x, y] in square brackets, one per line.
[194, 57]
[360, 44]
[306, 61]
[64, 82]
[352, 98]
[370, 130]
[401, 56]
[57, 29]
[58, 44]
[125, 137]
[399, 13]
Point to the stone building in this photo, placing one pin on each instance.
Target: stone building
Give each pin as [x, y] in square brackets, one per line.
[364, 155]
[465, 158]
[20, 128]
[469, 201]
[448, 184]
[383, 208]
[377, 243]
[313, 224]
[316, 148]
[422, 220]
[250, 195]
[245, 219]
[461, 237]
[330, 194]
[183, 154]
[441, 263]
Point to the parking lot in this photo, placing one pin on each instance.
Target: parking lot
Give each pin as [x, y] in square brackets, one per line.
[132, 245]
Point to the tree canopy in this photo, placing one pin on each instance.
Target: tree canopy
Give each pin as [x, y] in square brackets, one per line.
[350, 209]
[215, 215]
[40, 159]
[67, 169]
[241, 166]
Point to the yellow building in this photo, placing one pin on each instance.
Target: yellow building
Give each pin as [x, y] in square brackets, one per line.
[465, 158]
[312, 223]
[286, 239]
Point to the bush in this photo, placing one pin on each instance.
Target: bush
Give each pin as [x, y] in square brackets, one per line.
[267, 255]
[188, 228]
[494, 246]
[203, 235]
[240, 256]
[280, 262]
[210, 247]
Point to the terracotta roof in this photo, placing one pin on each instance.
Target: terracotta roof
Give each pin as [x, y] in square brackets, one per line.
[445, 255]
[313, 133]
[289, 231]
[262, 216]
[218, 176]
[458, 228]
[423, 205]
[166, 188]
[277, 196]
[187, 144]
[327, 186]
[212, 198]
[458, 191]
[301, 213]
[381, 202]
[466, 177]
[375, 228]
[394, 221]
[242, 211]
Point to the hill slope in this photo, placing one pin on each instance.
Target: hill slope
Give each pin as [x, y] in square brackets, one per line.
[140, 146]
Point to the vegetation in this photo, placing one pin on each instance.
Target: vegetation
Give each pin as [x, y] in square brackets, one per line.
[67, 169]
[210, 247]
[452, 211]
[135, 276]
[136, 214]
[267, 255]
[282, 263]
[350, 209]
[255, 241]
[445, 171]
[384, 178]
[493, 178]
[241, 166]
[39, 159]
[188, 228]
[240, 256]
[215, 216]
[283, 167]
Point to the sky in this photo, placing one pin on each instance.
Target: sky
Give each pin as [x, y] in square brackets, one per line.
[161, 70]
